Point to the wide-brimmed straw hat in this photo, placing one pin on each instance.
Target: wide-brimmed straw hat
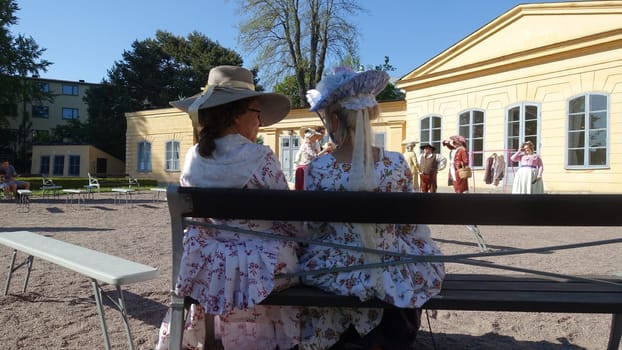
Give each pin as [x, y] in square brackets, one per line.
[458, 138]
[409, 141]
[232, 83]
[346, 83]
[308, 131]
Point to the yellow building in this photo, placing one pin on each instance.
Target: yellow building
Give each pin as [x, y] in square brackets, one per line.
[549, 73]
[74, 160]
[157, 140]
[546, 72]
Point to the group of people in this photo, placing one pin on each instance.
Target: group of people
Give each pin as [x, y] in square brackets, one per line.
[228, 275]
[9, 182]
[527, 180]
[426, 168]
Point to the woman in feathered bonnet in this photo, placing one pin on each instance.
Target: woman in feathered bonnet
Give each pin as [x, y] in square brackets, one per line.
[347, 102]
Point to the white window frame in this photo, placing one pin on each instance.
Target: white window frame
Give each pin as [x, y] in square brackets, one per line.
[588, 129]
[143, 157]
[475, 143]
[432, 133]
[172, 151]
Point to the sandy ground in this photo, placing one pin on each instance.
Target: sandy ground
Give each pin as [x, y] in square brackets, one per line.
[58, 311]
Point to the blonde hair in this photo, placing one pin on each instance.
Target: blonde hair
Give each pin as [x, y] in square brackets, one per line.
[347, 122]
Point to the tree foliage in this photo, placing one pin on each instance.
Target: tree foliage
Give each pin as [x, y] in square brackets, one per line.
[154, 72]
[20, 59]
[297, 37]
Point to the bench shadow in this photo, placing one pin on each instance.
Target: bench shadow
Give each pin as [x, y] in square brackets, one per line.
[54, 210]
[488, 341]
[102, 208]
[139, 307]
[148, 206]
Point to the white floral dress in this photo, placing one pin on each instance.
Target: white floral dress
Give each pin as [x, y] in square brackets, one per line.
[407, 285]
[229, 273]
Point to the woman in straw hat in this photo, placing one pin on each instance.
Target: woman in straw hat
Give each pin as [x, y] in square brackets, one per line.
[227, 275]
[348, 102]
[458, 158]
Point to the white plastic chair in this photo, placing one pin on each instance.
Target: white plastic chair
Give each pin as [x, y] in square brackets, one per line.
[132, 181]
[93, 183]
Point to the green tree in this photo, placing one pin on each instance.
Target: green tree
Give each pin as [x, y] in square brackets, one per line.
[390, 92]
[20, 59]
[293, 37]
[154, 72]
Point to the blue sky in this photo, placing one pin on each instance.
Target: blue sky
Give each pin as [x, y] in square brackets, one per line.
[84, 38]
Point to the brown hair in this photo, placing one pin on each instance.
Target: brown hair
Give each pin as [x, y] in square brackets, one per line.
[215, 120]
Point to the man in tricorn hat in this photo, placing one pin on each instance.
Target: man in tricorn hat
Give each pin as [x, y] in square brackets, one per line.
[429, 165]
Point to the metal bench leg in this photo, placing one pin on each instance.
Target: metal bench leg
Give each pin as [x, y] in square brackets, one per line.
[119, 303]
[478, 237]
[12, 269]
[100, 312]
[28, 263]
[121, 306]
[177, 322]
[616, 332]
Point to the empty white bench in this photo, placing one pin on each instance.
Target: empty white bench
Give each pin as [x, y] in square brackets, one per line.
[118, 192]
[97, 266]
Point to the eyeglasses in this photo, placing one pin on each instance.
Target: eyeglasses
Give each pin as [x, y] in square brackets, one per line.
[258, 111]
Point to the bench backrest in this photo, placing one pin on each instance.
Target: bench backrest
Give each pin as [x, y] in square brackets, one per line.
[369, 207]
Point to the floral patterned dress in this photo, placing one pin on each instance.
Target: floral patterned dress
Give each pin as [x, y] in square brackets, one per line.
[228, 273]
[407, 285]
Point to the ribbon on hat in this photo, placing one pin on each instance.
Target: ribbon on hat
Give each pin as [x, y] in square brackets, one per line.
[208, 90]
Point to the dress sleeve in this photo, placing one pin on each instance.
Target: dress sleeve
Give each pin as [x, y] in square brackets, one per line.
[540, 166]
[516, 157]
[270, 175]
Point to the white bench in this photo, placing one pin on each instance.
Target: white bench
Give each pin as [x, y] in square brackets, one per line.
[79, 194]
[156, 192]
[97, 266]
[118, 192]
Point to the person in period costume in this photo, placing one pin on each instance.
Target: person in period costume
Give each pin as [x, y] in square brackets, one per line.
[224, 273]
[458, 158]
[413, 162]
[528, 178]
[346, 102]
[429, 166]
[309, 150]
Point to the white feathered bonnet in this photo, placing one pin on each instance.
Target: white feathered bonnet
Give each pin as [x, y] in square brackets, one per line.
[353, 90]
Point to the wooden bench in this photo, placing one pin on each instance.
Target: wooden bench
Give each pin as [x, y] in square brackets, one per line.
[97, 266]
[497, 291]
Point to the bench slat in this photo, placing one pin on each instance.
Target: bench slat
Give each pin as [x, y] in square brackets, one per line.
[100, 266]
[497, 293]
